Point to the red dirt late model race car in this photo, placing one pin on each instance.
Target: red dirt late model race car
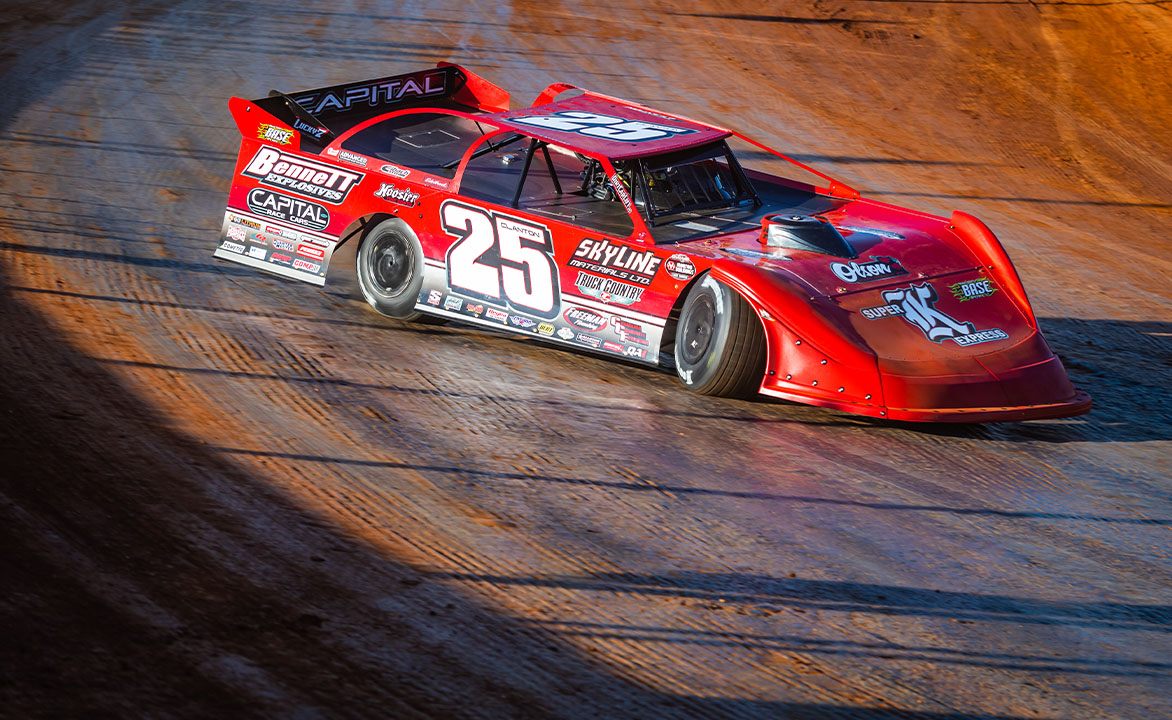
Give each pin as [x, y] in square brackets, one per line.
[597, 223]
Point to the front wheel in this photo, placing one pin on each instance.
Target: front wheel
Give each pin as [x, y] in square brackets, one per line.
[390, 269]
[720, 345]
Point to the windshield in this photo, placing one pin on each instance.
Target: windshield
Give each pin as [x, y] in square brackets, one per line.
[688, 180]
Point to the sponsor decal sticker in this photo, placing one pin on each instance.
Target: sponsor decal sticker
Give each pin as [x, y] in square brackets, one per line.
[477, 309]
[246, 222]
[282, 259]
[918, 303]
[272, 133]
[294, 211]
[310, 130]
[441, 184]
[522, 322]
[620, 192]
[566, 334]
[300, 264]
[352, 158]
[881, 311]
[584, 319]
[434, 297]
[453, 303]
[373, 94]
[613, 347]
[544, 329]
[498, 315]
[258, 253]
[972, 289]
[400, 196]
[282, 244]
[607, 290]
[232, 247]
[312, 252]
[588, 340]
[635, 352]
[303, 176]
[629, 332]
[869, 271]
[237, 234]
[680, 267]
[394, 170]
[617, 261]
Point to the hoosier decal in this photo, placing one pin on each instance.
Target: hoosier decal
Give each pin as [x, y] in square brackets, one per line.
[294, 211]
[399, 196]
[607, 290]
[302, 175]
[618, 261]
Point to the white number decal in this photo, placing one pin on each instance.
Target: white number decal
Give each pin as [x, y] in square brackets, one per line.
[498, 256]
[603, 126]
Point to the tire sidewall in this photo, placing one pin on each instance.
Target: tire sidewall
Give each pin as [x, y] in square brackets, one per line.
[699, 374]
[402, 303]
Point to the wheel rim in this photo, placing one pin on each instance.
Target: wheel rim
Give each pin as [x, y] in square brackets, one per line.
[698, 328]
[390, 264]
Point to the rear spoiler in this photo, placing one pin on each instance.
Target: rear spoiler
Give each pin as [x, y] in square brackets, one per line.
[338, 108]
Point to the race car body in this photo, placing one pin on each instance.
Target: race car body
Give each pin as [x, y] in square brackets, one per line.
[593, 222]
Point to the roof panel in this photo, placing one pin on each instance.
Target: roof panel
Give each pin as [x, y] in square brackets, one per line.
[607, 126]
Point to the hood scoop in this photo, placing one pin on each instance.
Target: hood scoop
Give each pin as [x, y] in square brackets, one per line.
[804, 232]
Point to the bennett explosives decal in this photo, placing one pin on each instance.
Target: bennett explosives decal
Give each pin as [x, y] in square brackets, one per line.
[341, 98]
[618, 261]
[232, 247]
[352, 158]
[584, 319]
[310, 130]
[394, 170]
[972, 289]
[680, 267]
[629, 332]
[272, 133]
[302, 176]
[918, 303]
[312, 252]
[877, 269]
[236, 233]
[607, 290]
[294, 211]
[401, 196]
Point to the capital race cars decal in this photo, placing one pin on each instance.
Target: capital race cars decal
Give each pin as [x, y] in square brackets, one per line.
[288, 209]
[303, 176]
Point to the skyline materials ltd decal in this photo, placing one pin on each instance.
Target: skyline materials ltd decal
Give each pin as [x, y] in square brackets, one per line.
[917, 305]
[303, 176]
[608, 290]
[399, 196]
[272, 133]
[376, 93]
[606, 127]
[881, 268]
[294, 211]
[617, 261]
[972, 289]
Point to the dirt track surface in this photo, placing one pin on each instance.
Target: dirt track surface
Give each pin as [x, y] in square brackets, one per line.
[227, 495]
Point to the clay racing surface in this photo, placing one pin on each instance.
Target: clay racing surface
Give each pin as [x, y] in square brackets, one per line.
[227, 495]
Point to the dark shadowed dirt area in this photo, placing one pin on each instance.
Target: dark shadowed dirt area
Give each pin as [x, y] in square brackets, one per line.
[226, 495]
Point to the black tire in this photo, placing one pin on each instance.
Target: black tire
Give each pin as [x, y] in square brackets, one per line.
[720, 345]
[390, 269]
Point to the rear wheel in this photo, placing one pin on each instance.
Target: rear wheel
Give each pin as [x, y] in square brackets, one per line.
[390, 269]
[720, 345]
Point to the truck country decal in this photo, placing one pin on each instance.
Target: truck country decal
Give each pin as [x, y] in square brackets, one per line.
[301, 175]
